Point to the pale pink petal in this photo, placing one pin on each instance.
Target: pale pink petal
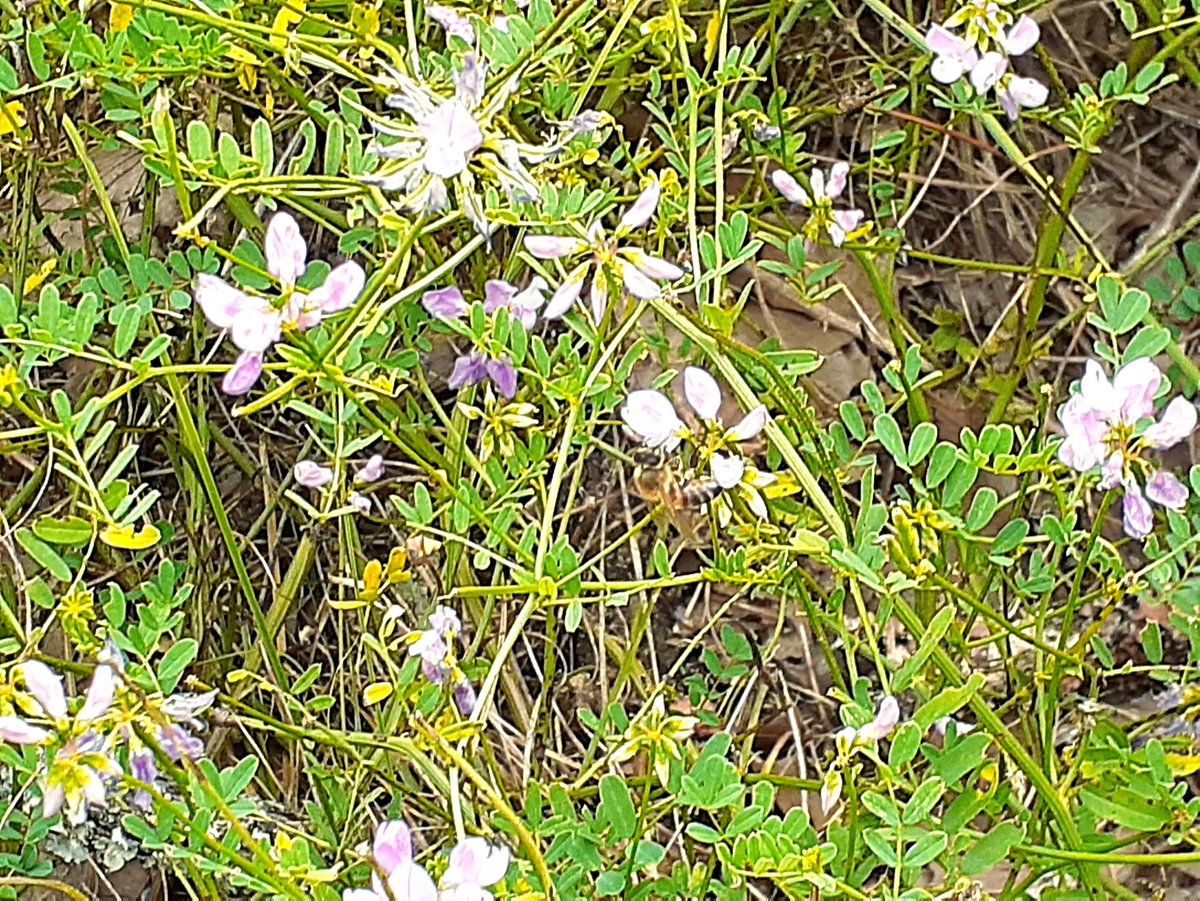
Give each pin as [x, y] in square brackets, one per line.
[1136, 383]
[652, 417]
[311, 474]
[219, 301]
[654, 267]
[643, 208]
[599, 298]
[474, 862]
[1112, 473]
[636, 282]
[1022, 36]
[948, 69]
[455, 24]
[702, 392]
[839, 174]
[988, 71]
[444, 303]
[567, 294]
[46, 686]
[393, 845]
[551, 247]
[786, 185]
[15, 730]
[1138, 517]
[93, 787]
[944, 42]
[1097, 391]
[1166, 490]
[1177, 422]
[749, 427]
[99, 696]
[469, 81]
[451, 135]
[410, 882]
[726, 469]
[284, 249]
[340, 288]
[847, 220]
[243, 375]
[885, 720]
[1027, 93]
[52, 799]
[256, 328]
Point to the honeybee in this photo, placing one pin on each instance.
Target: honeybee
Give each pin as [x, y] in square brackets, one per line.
[682, 500]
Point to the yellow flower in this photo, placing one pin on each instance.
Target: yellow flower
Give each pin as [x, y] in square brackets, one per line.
[658, 734]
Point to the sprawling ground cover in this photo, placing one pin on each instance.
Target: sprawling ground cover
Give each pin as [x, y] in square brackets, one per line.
[643, 450]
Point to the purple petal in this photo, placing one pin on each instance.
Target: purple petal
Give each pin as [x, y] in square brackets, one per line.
[372, 470]
[393, 845]
[1138, 517]
[1083, 445]
[444, 303]
[177, 743]
[1177, 422]
[340, 288]
[1022, 36]
[643, 208]
[702, 392]
[497, 293]
[1166, 490]
[243, 375]
[552, 247]
[465, 698]
[311, 474]
[46, 687]
[786, 185]
[599, 297]
[469, 369]
[284, 249]
[469, 81]
[503, 376]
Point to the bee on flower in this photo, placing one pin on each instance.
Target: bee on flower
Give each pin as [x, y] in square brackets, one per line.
[721, 452]
[612, 264]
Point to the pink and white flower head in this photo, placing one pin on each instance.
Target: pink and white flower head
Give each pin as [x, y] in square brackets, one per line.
[397, 874]
[449, 143]
[473, 866]
[630, 268]
[1101, 423]
[953, 57]
[254, 322]
[435, 645]
[652, 418]
[823, 217]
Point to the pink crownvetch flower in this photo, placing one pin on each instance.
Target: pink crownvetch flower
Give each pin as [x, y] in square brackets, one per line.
[628, 267]
[397, 875]
[473, 866]
[953, 57]
[819, 203]
[435, 647]
[254, 323]
[76, 773]
[1101, 424]
[652, 418]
